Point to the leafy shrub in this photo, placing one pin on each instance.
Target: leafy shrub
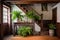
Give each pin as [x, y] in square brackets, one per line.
[31, 14]
[16, 14]
[24, 31]
[52, 26]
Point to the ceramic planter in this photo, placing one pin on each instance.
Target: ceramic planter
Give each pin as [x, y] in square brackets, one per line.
[51, 32]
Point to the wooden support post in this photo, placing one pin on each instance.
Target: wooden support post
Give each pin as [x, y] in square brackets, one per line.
[41, 22]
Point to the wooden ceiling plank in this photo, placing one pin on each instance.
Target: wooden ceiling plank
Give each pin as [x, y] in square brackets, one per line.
[30, 1]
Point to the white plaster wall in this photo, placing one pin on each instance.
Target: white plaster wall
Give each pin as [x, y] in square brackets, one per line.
[47, 15]
[37, 28]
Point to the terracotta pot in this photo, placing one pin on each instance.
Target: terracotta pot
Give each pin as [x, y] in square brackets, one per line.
[51, 32]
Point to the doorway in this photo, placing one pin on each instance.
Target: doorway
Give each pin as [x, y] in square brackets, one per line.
[54, 17]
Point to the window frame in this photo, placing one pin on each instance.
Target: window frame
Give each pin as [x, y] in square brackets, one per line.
[4, 6]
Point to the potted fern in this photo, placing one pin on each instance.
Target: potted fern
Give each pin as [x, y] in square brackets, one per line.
[17, 15]
[24, 31]
[51, 29]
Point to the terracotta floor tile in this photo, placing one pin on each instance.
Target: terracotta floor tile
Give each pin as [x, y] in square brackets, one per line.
[31, 38]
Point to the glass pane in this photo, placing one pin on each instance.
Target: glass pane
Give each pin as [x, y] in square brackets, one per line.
[4, 12]
[4, 21]
[5, 15]
[4, 9]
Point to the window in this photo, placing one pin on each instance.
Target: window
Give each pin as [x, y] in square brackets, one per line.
[5, 14]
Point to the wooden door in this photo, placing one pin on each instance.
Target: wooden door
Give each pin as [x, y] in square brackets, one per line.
[54, 18]
[54, 15]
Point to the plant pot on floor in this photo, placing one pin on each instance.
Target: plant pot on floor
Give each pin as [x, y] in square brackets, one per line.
[51, 32]
[51, 29]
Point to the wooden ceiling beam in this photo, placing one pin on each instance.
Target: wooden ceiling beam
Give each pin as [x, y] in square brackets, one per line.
[31, 1]
[20, 2]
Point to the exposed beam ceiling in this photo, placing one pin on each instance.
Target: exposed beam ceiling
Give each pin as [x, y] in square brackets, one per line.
[30, 1]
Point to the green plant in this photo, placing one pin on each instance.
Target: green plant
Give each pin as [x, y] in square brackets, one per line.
[31, 14]
[52, 26]
[24, 31]
[16, 15]
[36, 17]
